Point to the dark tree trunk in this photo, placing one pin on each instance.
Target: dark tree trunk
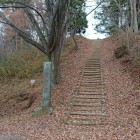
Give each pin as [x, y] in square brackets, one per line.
[75, 42]
[55, 59]
[134, 20]
[56, 70]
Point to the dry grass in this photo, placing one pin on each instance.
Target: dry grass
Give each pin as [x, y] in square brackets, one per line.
[136, 61]
[68, 48]
[128, 39]
[122, 103]
[51, 126]
[24, 66]
[131, 62]
[15, 75]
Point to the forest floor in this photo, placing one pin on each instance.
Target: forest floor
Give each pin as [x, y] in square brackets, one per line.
[123, 101]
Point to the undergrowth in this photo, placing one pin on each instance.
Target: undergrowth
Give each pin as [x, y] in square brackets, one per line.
[68, 48]
[23, 64]
[15, 74]
[136, 61]
[28, 62]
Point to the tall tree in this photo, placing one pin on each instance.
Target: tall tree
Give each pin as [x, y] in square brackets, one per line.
[49, 21]
[113, 15]
[79, 21]
[127, 13]
[134, 20]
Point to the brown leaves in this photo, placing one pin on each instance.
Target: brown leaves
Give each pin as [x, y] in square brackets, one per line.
[118, 86]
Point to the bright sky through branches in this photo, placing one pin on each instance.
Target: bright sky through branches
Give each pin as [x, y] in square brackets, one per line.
[90, 32]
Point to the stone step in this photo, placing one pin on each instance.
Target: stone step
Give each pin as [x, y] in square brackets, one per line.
[87, 97]
[88, 114]
[91, 63]
[91, 66]
[93, 87]
[87, 119]
[94, 59]
[86, 124]
[97, 60]
[95, 78]
[90, 93]
[88, 101]
[90, 82]
[89, 109]
[91, 70]
[93, 90]
[88, 105]
[91, 77]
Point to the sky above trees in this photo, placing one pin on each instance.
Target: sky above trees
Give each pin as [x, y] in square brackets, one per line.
[90, 32]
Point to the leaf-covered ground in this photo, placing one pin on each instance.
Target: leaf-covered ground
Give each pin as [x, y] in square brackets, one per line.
[123, 100]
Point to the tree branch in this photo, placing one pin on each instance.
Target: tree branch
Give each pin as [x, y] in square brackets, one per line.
[39, 32]
[24, 35]
[26, 6]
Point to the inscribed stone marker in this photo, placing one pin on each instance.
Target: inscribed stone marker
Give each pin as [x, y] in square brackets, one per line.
[47, 81]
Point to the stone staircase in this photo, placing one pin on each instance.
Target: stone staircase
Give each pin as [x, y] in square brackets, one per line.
[88, 103]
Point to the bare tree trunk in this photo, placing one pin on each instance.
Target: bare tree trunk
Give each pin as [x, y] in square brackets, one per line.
[138, 14]
[134, 20]
[16, 48]
[127, 38]
[75, 42]
[132, 13]
[55, 56]
[55, 59]
[57, 41]
[121, 12]
[56, 71]
[21, 43]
